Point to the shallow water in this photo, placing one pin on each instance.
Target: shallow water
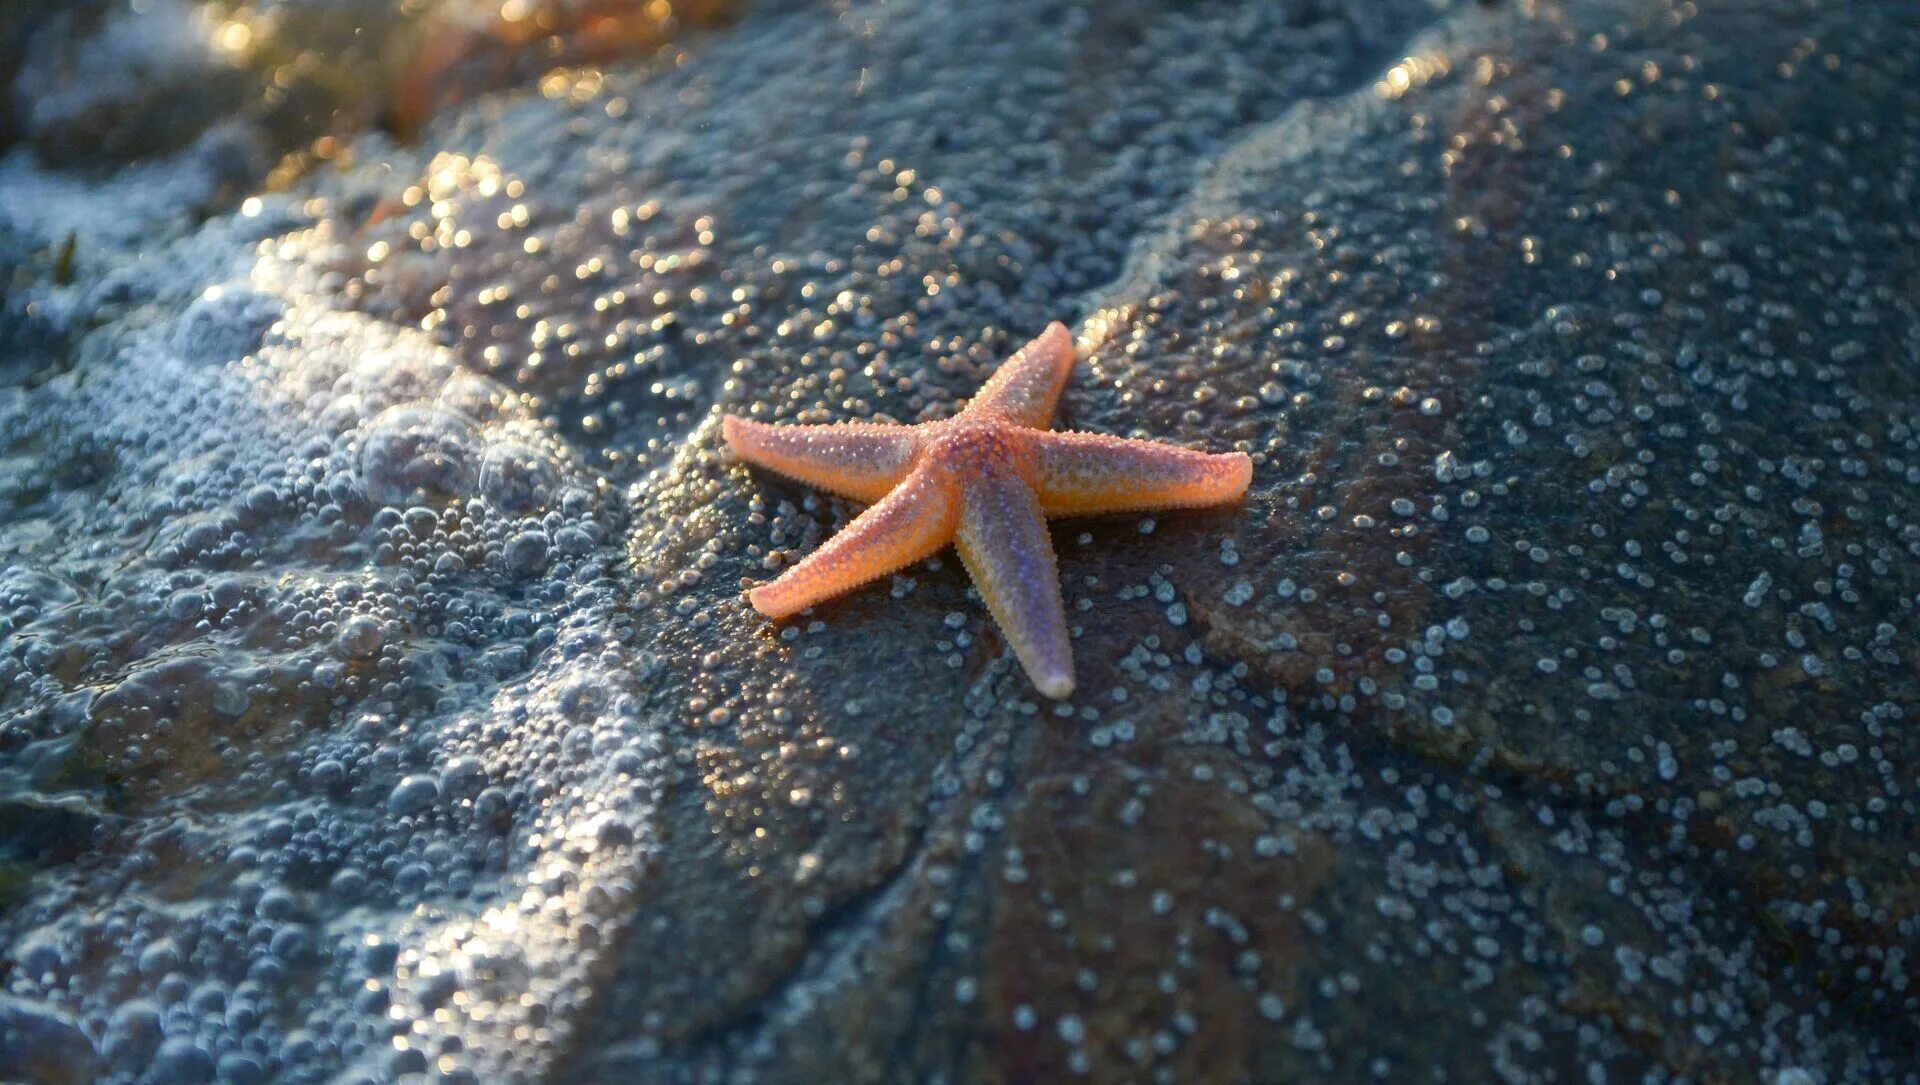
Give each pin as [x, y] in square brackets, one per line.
[378, 700]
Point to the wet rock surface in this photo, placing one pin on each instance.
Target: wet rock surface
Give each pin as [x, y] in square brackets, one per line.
[377, 699]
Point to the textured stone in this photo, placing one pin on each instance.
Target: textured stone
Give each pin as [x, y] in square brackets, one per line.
[371, 611]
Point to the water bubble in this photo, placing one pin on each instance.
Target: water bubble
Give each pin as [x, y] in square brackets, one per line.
[225, 323]
[463, 776]
[328, 773]
[413, 794]
[275, 903]
[572, 540]
[181, 1062]
[360, 637]
[416, 455]
[160, 957]
[526, 553]
[516, 478]
[133, 1034]
[239, 1069]
[474, 396]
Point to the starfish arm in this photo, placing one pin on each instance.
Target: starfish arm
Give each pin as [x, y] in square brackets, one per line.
[1026, 387]
[861, 460]
[913, 522]
[1003, 540]
[1084, 474]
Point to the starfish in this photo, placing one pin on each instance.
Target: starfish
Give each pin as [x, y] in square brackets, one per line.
[985, 480]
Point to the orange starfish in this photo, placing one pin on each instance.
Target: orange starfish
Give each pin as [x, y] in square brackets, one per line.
[985, 480]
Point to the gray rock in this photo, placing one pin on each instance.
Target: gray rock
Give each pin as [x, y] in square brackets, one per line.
[1541, 714]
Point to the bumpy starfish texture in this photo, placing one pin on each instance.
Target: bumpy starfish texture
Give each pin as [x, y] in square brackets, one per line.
[985, 480]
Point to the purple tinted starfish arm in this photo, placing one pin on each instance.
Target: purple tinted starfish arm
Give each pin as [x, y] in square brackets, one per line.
[1003, 541]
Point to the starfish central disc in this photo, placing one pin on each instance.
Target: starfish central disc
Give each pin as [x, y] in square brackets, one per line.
[985, 482]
